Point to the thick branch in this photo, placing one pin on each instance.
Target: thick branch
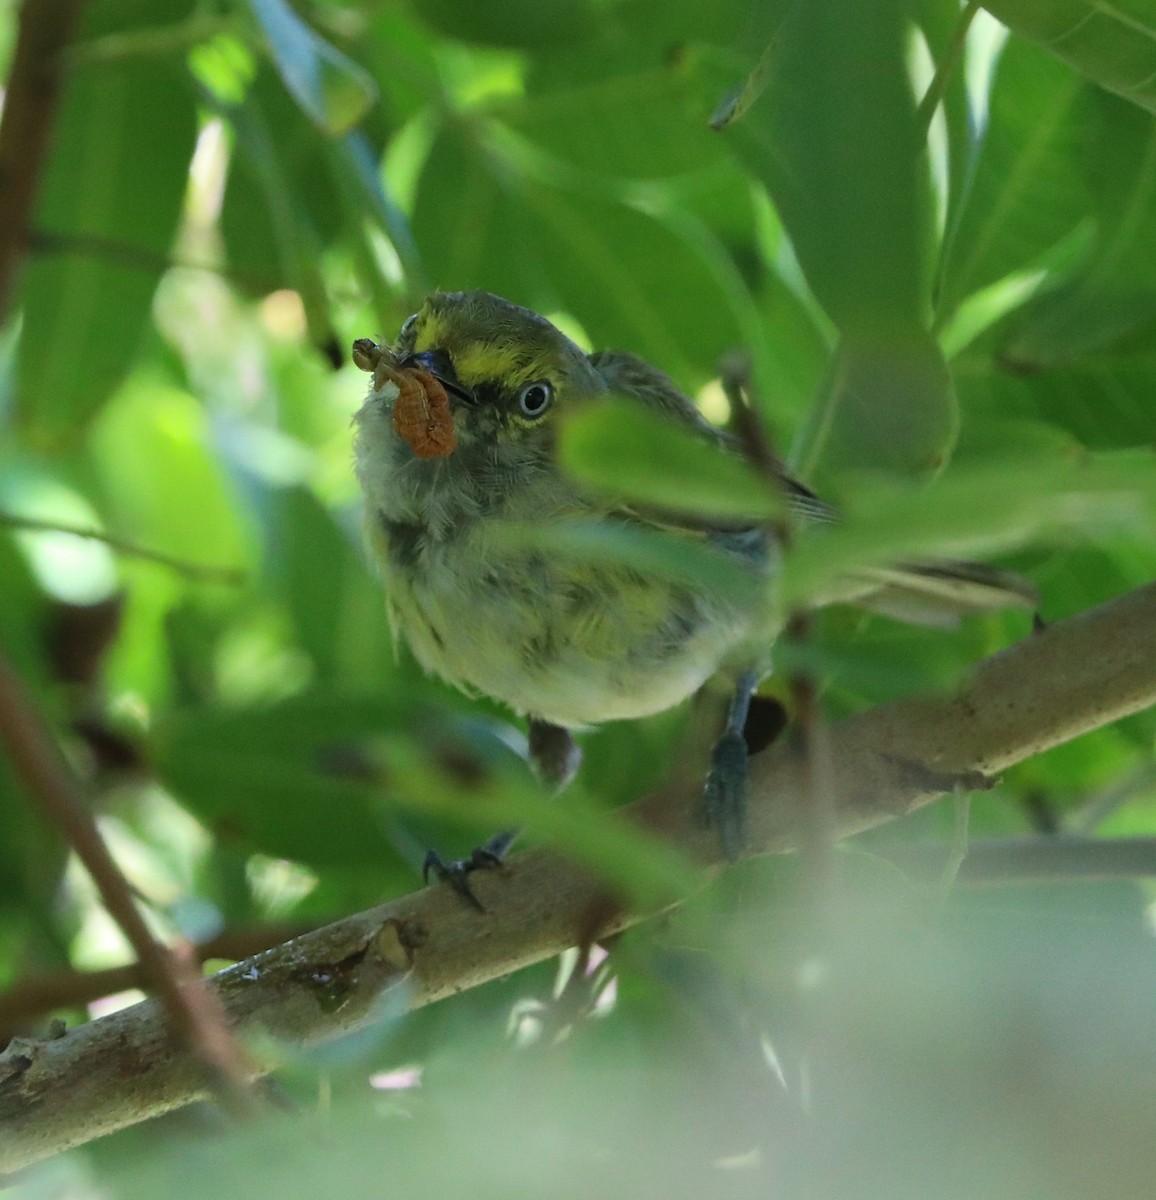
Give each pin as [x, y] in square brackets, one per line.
[1076, 676]
[32, 998]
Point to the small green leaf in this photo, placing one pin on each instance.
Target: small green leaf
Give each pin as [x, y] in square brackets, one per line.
[333, 90]
[622, 448]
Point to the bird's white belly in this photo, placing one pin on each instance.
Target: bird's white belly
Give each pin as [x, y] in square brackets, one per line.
[571, 644]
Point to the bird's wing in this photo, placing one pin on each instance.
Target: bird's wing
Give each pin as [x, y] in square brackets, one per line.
[632, 377]
[932, 592]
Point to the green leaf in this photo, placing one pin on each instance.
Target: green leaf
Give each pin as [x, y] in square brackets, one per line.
[523, 23]
[974, 512]
[637, 455]
[333, 90]
[1111, 295]
[106, 218]
[640, 125]
[1030, 189]
[1114, 45]
[635, 281]
[290, 780]
[835, 137]
[278, 182]
[657, 555]
[470, 223]
[890, 407]
[1103, 403]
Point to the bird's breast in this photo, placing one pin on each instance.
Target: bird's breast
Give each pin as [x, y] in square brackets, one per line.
[573, 643]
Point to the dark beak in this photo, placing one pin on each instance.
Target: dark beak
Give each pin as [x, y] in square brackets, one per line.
[439, 364]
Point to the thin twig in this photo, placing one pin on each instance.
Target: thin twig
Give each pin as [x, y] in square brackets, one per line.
[194, 1010]
[1064, 858]
[818, 826]
[30, 103]
[946, 66]
[196, 571]
[957, 850]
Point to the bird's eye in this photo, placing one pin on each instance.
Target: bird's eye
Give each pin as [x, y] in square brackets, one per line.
[535, 398]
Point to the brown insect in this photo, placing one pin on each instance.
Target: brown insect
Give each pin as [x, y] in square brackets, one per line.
[421, 412]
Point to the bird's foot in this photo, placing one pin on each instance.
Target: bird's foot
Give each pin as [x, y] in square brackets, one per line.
[724, 801]
[457, 873]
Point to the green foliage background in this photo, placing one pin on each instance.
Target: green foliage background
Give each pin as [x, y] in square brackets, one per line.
[951, 329]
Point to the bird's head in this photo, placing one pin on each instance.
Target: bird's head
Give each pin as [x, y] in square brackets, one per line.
[508, 373]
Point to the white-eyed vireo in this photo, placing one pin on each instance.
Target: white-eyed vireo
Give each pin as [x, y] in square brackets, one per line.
[458, 438]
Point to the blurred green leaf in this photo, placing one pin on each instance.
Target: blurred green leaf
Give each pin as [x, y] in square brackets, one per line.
[1109, 297]
[333, 91]
[664, 556]
[266, 204]
[294, 780]
[627, 450]
[521, 23]
[890, 406]
[974, 512]
[636, 126]
[835, 137]
[1113, 45]
[105, 222]
[470, 222]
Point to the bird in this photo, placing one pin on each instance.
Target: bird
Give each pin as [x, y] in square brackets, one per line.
[458, 440]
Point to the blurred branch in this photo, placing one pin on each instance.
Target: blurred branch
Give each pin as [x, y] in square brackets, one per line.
[1075, 676]
[1060, 859]
[156, 41]
[30, 102]
[193, 1008]
[32, 999]
[194, 571]
[139, 258]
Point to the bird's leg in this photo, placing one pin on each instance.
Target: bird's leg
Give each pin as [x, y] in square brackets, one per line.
[555, 758]
[725, 795]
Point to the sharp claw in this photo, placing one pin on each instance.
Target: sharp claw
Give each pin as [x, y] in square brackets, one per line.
[457, 873]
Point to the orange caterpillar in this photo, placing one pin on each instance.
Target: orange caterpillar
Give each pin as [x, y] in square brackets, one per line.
[421, 412]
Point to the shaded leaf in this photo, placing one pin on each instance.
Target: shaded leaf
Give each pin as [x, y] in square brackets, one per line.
[106, 217]
[1030, 187]
[834, 136]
